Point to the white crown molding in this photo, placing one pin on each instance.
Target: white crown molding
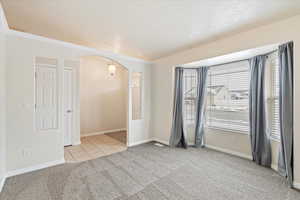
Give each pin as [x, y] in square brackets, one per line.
[34, 168]
[106, 54]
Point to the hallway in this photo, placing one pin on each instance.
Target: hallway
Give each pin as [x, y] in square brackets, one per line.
[92, 147]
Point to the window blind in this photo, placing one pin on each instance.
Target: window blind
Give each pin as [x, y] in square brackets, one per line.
[275, 124]
[227, 105]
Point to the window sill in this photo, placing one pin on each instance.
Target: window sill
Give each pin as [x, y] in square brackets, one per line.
[228, 130]
[275, 139]
[222, 130]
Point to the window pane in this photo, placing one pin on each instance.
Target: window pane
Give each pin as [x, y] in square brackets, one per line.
[189, 106]
[190, 94]
[275, 124]
[136, 95]
[228, 97]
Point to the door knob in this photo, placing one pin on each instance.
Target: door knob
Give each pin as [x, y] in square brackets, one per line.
[69, 111]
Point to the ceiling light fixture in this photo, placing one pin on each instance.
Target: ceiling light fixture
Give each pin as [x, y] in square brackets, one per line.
[112, 69]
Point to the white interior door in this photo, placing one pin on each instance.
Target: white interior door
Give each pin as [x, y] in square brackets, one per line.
[68, 105]
[46, 98]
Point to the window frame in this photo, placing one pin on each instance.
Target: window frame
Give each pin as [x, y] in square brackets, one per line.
[137, 85]
[232, 130]
[271, 97]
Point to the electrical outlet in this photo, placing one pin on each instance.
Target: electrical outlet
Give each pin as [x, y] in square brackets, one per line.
[26, 153]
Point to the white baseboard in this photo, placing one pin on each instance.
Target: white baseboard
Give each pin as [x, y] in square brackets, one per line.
[139, 142]
[161, 141]
[229, 152]
[103, 132]
[274, 166]
[149, 140]
[2, 182]
[296, 185]
[34, 168]
[77, 143]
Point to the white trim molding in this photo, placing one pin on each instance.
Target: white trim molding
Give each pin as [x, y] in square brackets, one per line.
[2, 182]
[147, 141]
[103, 132]
[161, 141]
[235, 153]
[34, 168]
[274, 166]
[106, 54]
[296, 185]
[76, 142]
[132, 144]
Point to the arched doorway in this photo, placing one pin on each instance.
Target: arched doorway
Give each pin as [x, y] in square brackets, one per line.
[103, 93]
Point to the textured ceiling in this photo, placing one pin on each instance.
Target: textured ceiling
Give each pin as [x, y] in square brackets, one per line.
[147, 29]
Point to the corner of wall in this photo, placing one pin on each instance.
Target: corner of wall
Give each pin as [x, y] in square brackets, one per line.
[3, 22]
[3, 109]
[2, 182]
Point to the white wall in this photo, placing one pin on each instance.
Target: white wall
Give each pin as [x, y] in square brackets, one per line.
[103, 103]
[162, 79]
[2, 108]
[25, 147]
[238, 143]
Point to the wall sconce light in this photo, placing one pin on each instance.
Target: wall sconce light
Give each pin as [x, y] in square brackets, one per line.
[112, 69]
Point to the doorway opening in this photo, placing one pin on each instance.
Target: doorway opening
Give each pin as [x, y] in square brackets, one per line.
[103, 103]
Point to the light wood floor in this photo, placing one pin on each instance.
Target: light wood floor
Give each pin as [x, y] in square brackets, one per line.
[92, 147]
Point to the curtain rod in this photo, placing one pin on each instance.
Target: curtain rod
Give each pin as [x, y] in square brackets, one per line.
[266, 54]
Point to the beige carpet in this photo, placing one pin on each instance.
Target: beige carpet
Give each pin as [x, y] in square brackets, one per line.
[153, 173]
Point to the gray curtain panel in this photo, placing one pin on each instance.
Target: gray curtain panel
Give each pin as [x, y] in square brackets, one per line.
[202, 73]
[260, 141]
[286, 88]
[178, 137]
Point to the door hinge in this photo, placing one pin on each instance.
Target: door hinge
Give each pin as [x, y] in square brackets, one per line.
[35, 75]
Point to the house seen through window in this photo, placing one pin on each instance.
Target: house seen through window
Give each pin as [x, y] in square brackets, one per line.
[227, 105]
[190, 95]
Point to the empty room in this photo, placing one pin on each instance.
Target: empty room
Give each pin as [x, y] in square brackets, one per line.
[150, 100]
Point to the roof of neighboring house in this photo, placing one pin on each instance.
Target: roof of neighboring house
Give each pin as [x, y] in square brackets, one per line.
[211, 90]
[214, 90]
[245, 90]
[190, 94]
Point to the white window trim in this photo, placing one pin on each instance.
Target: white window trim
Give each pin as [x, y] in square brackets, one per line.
[227, 130]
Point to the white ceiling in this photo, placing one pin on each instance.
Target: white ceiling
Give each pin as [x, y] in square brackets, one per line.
[147, 29]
